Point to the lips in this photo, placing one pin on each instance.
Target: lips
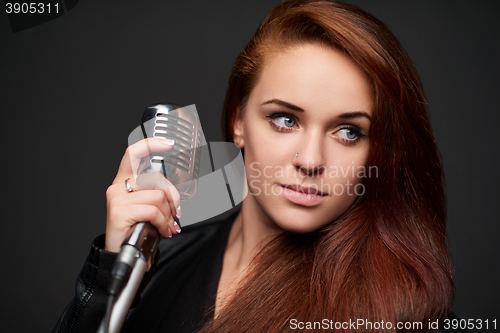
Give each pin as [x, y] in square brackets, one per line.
[304, 189]
[303, 195]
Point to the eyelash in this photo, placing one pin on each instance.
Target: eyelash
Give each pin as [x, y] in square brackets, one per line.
[356, 131]
[280, 128]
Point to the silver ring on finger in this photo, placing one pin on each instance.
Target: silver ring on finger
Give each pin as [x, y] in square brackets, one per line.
[128, 186]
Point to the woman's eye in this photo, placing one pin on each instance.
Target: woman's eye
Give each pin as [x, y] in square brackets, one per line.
[282, 122]
[350, 134]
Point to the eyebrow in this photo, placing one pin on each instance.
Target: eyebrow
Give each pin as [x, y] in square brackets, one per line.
[355, 114]
[285, 104]
[346, 115]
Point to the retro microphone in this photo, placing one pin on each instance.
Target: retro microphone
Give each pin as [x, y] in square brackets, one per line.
[180, 165]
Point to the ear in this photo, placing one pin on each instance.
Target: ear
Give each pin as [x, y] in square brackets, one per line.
[238, 129]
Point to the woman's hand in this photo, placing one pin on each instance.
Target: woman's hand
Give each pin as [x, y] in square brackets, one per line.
[158, 204]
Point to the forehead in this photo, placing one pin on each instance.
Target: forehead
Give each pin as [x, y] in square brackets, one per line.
[314, 77]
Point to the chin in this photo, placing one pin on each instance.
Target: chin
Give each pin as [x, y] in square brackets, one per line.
[303, 220]
[300, 222]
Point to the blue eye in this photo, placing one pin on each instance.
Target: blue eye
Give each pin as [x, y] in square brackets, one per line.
[350, 134]
[285, 121]
[282, 121]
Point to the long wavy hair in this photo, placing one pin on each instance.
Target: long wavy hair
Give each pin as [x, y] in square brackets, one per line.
[386, 258]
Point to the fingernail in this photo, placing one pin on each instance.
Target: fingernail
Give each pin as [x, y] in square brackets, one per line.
[178, 212]
[177, 228]
[169, 233]
[168, 142]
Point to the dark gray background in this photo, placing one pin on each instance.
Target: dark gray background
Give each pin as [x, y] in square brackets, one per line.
[72, 90]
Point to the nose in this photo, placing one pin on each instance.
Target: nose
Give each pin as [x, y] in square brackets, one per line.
[309, 159]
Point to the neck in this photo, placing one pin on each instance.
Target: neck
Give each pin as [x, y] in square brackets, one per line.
[250, 232]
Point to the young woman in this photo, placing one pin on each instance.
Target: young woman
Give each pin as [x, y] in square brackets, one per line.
[345, 217]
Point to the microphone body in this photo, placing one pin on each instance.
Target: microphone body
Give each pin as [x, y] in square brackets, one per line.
[137, 254]
[181, 167]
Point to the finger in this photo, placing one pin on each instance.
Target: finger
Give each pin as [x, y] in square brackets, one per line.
[154, 190]
[133, 214]
[156, 181]
[157, 198]
[176, 199]
[134, 154]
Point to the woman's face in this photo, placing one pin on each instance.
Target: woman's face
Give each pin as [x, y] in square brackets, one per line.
[305, 134]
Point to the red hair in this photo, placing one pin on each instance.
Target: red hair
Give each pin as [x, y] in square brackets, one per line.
[386, 259]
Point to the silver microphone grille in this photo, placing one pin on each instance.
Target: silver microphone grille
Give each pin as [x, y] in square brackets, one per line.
[182, 163]
[183, 132]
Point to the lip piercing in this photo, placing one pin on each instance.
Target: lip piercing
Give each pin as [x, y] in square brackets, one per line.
[297, 155]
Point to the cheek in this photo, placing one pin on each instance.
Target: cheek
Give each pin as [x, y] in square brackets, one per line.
[347, 165]
[261, 171]
[262, 152]
[345, 177]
